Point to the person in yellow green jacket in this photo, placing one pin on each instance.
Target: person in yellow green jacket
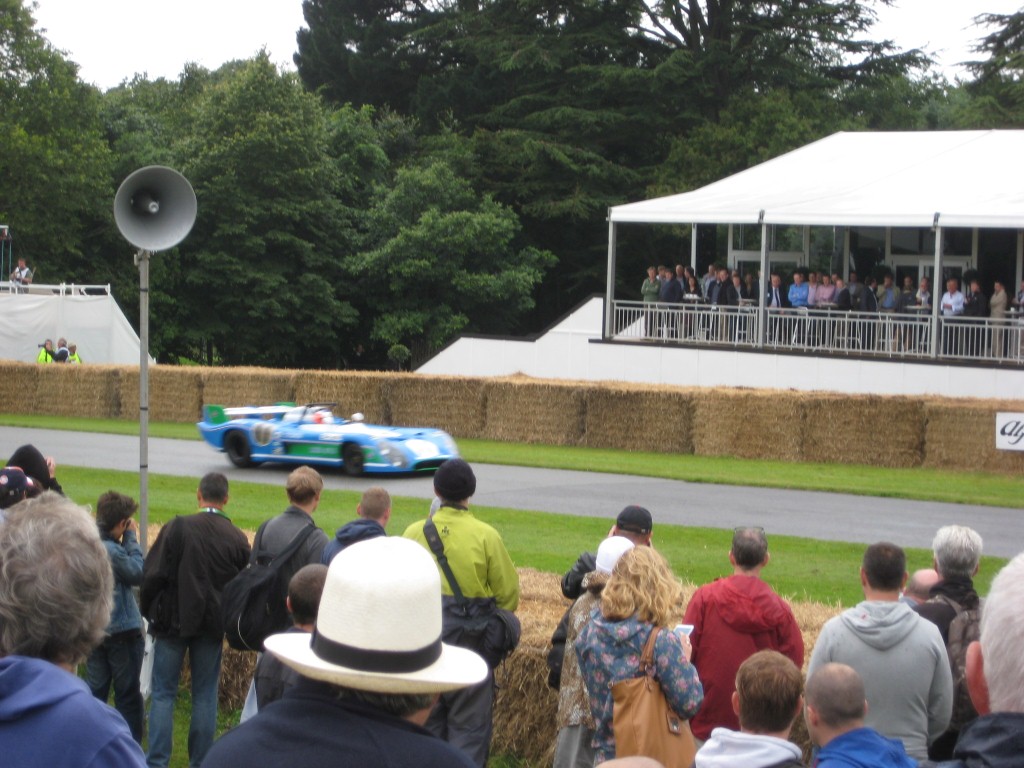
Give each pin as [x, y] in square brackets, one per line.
[73, 354]
[45, 352]
[483, 569]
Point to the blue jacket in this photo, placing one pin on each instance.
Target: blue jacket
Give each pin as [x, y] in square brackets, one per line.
[864, 748]
[48, 719]
[358, 530]
[126, 559]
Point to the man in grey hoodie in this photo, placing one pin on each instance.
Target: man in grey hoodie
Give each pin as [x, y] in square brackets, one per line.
[899, 655]
[767, 701]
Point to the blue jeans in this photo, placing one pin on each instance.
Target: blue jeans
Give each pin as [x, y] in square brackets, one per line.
[204, 655]
[118, 661]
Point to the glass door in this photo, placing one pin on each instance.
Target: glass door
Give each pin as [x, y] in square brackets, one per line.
[952, 267]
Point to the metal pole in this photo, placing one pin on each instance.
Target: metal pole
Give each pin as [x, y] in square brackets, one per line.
[609, 307]
[933, 352]
[762, 314]
[142, 260]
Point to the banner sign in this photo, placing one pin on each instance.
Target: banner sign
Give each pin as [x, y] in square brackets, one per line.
[1010, 431]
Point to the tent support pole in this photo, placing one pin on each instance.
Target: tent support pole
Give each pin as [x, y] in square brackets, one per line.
[933, 350]
[762, 315]
[609, 303]
[693, 249]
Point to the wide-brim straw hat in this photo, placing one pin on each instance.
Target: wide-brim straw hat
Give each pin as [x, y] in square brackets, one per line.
[379, 625]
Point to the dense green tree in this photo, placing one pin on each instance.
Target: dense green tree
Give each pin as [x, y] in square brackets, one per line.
[55, 164]
[259, 280]
[998, 91]
[444, 261]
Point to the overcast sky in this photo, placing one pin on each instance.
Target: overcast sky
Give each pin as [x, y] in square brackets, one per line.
[111, 40]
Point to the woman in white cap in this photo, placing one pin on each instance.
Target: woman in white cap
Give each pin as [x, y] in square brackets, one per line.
[575, 723]
[642, 595]
[371, 672]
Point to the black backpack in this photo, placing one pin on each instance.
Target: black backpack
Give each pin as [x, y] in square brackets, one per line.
[253, 604]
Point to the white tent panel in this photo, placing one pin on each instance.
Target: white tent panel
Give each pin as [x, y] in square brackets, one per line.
[968, 178]
[95, 323]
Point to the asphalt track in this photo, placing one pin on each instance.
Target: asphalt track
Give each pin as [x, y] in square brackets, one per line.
[828, 516]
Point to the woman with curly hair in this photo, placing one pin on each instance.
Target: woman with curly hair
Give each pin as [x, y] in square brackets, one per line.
[641, 594]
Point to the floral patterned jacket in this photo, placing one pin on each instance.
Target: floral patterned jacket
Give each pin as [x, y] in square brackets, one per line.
[609, 651]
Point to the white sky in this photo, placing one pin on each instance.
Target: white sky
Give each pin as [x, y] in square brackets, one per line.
[111, 40]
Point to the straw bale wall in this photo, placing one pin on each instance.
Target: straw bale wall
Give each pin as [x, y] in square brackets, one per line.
[639, 419]
[248, 386]
[885, 431]
[529, 411]
[175, 393]
[745, 423]
[18, 387]
[749, 424]
[354, 392]
[455, 404]
[961, 434]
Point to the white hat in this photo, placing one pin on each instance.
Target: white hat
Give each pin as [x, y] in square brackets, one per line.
[379, 625]
[610, 551]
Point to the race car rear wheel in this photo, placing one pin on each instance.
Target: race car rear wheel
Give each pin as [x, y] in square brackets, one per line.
[236, 445]
[352, 456]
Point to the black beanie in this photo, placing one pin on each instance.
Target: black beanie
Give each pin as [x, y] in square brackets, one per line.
[454, 480]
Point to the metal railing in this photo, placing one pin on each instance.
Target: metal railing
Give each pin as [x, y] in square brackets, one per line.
[56, 289]
[824, 330]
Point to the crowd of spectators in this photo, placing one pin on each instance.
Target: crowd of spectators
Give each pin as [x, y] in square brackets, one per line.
[370, 672]
[824, 292]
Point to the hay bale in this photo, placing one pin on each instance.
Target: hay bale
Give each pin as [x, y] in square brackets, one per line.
[453, 403]
[175, 393]
[639, 419]
[960, 435]
[78, 390]
[748, 424]
[248, 386]
[526, 411]
[18, 386]
[880, 431]
[353, 391]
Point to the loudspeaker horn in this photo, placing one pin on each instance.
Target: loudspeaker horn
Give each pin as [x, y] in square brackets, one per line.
[155, 208]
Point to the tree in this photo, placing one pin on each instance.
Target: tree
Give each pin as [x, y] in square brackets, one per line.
[260, 281]
[443, 261]
[998, 92]
[55, 164]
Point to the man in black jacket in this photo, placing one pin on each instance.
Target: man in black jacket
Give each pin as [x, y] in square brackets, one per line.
[192, 559]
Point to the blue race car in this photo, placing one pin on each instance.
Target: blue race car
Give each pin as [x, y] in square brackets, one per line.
[312, 434]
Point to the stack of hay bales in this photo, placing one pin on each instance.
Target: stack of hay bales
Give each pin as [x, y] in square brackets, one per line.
[639, 418]
[456, 404]
[961, 434]
[846, 429]
[175, 393]
[353, 391]
[248, 386]
[521, 410]
[748, 424]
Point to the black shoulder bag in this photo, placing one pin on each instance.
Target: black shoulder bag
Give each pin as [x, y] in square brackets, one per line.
[475, 623]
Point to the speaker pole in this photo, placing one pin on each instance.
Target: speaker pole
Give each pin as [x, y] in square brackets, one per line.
[142, 261]
[154, 209]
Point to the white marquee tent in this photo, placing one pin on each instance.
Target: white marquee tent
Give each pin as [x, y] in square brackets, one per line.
[913, 179]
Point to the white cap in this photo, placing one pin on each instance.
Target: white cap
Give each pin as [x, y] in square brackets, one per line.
[610, 551]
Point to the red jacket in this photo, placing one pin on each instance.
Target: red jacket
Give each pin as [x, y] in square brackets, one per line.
[734, 618]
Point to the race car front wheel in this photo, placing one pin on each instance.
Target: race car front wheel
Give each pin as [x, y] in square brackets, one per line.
[236, 445]
[352, 456]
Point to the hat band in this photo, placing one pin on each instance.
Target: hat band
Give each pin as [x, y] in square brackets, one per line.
[367, 660]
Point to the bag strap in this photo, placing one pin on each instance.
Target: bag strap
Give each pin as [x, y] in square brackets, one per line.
[647, 656]
[293, 547]
[437, 547]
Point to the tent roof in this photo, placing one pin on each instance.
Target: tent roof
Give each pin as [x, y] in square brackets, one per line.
[966, 178]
